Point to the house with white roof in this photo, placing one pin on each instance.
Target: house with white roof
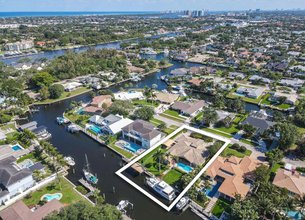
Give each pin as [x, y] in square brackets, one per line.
[113, 124]
[130, 95]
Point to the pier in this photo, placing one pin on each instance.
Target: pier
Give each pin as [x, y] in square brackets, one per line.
[85, 184]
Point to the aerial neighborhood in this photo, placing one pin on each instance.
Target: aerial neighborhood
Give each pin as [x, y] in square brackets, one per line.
[120, 116]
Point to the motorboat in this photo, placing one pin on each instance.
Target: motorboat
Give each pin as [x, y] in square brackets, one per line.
[73, 128]
[161, 187]
[70, 161]
[62, 120]
[123, 205]
[182, 203]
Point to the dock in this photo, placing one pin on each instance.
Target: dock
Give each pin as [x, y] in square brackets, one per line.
[138, 167]
[85, 184]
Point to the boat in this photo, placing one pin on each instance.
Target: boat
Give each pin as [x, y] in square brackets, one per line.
[89, 177]
[122, 205]
[182, 202]
[70, 161]
[73, 128]
[62, 120]
[148, 51]
[161, 187]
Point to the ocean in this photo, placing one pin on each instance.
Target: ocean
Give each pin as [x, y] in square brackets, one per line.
[72, 13]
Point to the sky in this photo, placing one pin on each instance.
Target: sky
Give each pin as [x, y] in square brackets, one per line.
[145, 5]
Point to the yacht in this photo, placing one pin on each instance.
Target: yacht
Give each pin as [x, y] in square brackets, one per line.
[148, 51]
[73, 128]
[123, 205]
[161, 187]
[70, 161]
[182, 203]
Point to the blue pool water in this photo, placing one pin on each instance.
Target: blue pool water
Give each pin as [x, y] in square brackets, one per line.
[16, 148]
[212, 191]
[184, 167]
[238, 94]
[95, 129]
[48, 198]
[294, 215]
[132, 147]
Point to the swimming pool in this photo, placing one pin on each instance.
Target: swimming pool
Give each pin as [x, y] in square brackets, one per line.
[184, 167]
[239, 94]
[212, 191]
[16, 147]
[49, 197]
[294, 215]
[131, 147]
[95, 129]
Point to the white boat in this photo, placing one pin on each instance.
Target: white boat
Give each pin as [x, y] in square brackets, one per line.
[70, 161]
[73, 128]
[148, 51]
[89, 176]
[62, 120]
[122, 205]
[182, 203]
[166, 51]
[161, 187]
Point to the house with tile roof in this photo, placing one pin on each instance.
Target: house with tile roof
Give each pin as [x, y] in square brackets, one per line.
[142, 133]
[189, 108]
[19, 211]
[235, 175]
[291, 180]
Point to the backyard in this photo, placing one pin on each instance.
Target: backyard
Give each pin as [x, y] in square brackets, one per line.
[229, 151]
[69, 194]
[173, 177]
[151, 161]
[265, 101]
[221, 206]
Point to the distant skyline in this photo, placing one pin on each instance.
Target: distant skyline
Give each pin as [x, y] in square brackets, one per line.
[145, 5]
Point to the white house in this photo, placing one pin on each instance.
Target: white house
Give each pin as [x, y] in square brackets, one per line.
[13, 179]
[142, 133]
[130, 95]
[113, 124]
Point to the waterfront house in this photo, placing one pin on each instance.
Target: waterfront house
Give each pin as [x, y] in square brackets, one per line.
[289, 98]
[193, 150]
[13, 179]
[71, 86]
[166, 98]
[130, 95]
[113, 124]
[19, 211]
[233, 174]
[98, 104]
[189, 108]
[250, 92]
[96, 119]
[142, 133]
[261, 124]
[291, 180]
[180, 72]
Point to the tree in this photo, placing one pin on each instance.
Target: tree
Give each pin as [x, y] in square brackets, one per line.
[249, 130]
[209, 116]
[56, 91]
[236, 105]
[288, 134]
[83, 210]
[244, 209]
[42, 79]
[213, 149]
[274, 156]
[262, 173]
[145, 113]
[162, 125]
[44, 93]
[121, 107]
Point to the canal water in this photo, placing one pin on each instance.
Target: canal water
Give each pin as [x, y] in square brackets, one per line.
[102, 160]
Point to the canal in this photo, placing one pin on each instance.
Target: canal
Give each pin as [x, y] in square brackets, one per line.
[103, 161]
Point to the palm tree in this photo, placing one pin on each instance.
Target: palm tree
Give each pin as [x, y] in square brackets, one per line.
[301, 202]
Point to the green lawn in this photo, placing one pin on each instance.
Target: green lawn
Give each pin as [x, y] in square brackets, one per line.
[125, 153]
[73, 117]
[65, 95]
[265, 101]
[232, 152]
[145, 103]
[173, 177]
[173, 118]
[217, 132]
[155, 121]
[150, 162]
[275, 167]
[232, 95]
[249, 142]
[28, 156]
[221, 206]
[8, 126]
[69, 194]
